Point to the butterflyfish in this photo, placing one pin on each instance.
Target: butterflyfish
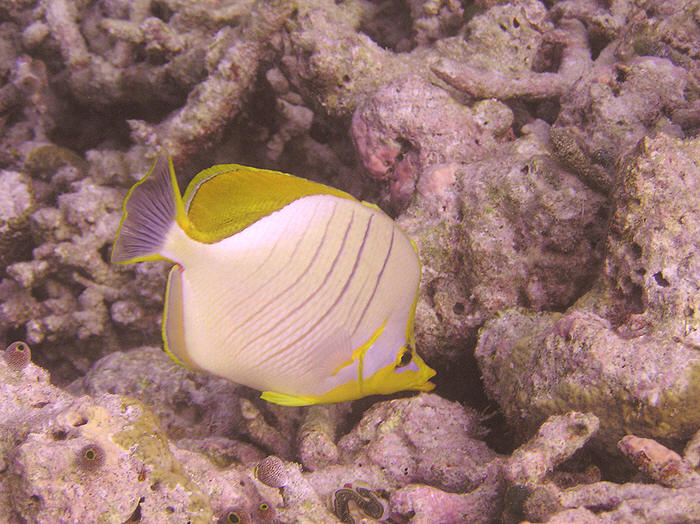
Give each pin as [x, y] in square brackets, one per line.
[279, 283]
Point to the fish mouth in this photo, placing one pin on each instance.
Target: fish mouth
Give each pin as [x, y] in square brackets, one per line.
[426, 386]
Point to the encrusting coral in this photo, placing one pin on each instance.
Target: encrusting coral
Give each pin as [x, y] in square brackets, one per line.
[543, 156]
[17, 355]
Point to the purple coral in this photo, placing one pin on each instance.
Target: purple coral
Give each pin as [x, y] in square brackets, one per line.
[542, 155]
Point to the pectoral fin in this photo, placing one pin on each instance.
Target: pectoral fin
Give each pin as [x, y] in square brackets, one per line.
[174, 320]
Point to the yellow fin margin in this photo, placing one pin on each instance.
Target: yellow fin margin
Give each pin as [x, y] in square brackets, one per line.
[227, 198]
[381, 383]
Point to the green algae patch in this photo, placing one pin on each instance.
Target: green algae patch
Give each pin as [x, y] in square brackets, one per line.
[144, 439]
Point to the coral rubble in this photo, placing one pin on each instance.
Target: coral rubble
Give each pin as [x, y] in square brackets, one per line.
[543, 156]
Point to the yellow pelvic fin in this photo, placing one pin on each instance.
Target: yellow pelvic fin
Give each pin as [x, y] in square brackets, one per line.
[227, 198]
[288, 400]
[383, 382]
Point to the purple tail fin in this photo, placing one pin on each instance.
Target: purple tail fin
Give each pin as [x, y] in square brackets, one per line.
[150, 209]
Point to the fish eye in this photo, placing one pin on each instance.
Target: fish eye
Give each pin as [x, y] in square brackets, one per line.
[405, 358]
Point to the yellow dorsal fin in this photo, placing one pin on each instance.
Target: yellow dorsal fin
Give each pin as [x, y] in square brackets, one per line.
[227, 198]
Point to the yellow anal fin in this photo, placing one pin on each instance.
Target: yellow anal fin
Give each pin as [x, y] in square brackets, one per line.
[288, 400]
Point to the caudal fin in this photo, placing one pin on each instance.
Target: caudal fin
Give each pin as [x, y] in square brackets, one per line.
[151, 207]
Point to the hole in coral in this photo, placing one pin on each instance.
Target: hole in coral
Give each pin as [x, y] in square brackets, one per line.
[39, 405]
[136, 515]
[516, 23]
[320, 131]
[155, 486]
[161, 11]
[503, 27]
[602, 213]
[597, 40]
[515, 498]
[660, 280]
[548, 57]
[603, 508]
[579, 430]
[390, 25]
[59, 435]
[35, 499]
[458, 308]
[105, 252]
[620, 75]
[170, 509]
[39, 293]
[548, 109]
[80, 422]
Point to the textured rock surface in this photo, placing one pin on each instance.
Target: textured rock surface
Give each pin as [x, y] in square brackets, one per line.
[423, 439]
[512, 229]
[627, 351]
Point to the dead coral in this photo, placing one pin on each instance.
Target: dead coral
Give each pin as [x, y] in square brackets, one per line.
[512, 228]
[556, 440]
[426, 504]
[538, 495]
[421, 439]
[626, 350]
[317, 436]
[499, 223]
[633, 502]
[15, 207]
[527, 85]
[219, 98]
[95, 446]
[189, 405]
[435, 19]
[660, 464]
[403, 128]
[258, 429]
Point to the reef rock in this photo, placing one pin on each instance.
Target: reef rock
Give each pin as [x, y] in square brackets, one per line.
[627, 351]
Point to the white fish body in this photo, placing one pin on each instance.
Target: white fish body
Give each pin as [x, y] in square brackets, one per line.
[312, 302]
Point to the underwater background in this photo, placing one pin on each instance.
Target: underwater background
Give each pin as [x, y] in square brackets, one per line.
[543, 156]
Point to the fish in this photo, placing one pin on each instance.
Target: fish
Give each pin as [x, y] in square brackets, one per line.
[278, 283]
